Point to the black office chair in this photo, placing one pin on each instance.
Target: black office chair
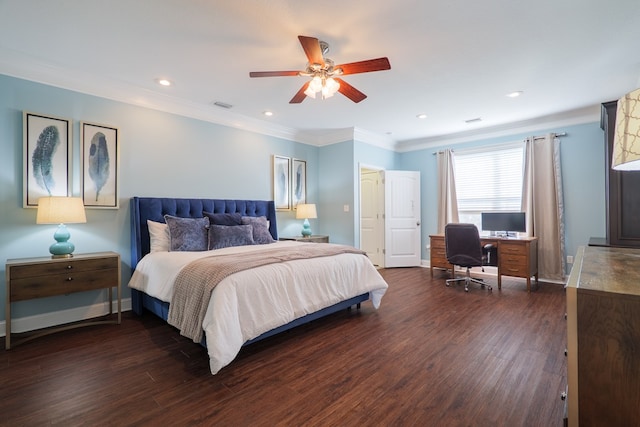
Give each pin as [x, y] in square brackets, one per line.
[463, 248]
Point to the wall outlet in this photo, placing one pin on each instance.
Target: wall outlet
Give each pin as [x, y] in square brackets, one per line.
[346, 208]
[569, 259]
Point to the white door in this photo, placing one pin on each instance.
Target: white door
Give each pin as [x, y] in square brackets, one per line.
[371, 213]
[402, 218]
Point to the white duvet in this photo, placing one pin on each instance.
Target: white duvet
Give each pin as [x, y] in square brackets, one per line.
[251, 302]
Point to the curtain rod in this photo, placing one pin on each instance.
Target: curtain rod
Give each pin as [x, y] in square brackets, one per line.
[557, 134]
[535, 137]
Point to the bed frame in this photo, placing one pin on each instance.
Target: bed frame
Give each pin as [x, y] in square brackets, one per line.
[154, 209]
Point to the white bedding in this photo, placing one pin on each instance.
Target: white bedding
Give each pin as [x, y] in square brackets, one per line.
[251, 302]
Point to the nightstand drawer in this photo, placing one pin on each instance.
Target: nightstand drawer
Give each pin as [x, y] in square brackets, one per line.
[316, 238]
[31, 278]
[62, 267]
[61, 284]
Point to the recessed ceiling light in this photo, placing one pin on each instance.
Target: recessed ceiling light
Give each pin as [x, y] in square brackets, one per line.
[422, 116]
[515, 94]
[164, 82]
[268, 113]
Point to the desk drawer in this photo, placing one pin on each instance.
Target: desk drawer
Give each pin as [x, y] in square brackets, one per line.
[438, 255]
[514, 265]
[513, 249]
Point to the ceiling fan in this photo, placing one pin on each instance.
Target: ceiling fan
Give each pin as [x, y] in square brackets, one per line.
[324, 74]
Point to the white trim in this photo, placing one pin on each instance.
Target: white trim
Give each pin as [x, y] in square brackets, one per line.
[588, 114]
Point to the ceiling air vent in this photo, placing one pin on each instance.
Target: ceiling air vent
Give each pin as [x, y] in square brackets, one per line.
[222, 105]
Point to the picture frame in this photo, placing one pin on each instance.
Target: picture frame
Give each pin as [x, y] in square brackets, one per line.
[100, 166]
[298, 182]
[46, 157]
[281, 182]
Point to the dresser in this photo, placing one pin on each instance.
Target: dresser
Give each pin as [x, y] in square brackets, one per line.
[515, 257]
[603, 338]
[31, 278]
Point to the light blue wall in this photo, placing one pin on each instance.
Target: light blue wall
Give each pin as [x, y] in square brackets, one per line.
[161, 155]
[168, 155]
[583, 175]
[336, 182]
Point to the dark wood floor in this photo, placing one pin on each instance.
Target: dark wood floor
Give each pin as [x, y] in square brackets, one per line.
[430, 356]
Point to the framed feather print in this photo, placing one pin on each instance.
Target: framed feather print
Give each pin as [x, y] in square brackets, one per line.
[281, 171]
[299, 182]
[100, 154]
[47, 157]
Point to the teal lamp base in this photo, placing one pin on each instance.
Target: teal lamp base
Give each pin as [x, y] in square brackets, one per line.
[62, 248]
[306, 228]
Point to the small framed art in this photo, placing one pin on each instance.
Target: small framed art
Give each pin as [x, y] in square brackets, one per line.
[281, 173]
[100, 154]
[299, 182]
[46, 157]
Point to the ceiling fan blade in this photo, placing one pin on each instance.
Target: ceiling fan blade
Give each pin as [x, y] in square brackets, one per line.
[300, 96]
[311, 47]
[378, 64]
[349, 91]
[273, 73]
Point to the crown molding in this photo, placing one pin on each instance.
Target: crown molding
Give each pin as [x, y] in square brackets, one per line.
[583, 115]
[19, 65]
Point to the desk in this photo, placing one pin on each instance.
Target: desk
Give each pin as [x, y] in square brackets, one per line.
[515, 257]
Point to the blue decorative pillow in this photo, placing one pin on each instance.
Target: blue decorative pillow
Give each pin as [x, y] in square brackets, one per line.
[224, 218]
[188, 234]
[261, 234]
[223, 236]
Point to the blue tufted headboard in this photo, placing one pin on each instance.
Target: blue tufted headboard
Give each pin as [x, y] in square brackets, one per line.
[155, 208]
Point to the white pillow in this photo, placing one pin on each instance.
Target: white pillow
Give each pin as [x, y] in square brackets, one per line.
[160, 240]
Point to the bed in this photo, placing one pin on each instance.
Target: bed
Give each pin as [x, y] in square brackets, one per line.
[251, 303]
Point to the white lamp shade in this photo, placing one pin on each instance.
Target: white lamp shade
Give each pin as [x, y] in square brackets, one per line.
[626, 139]
[60, 210]
[306, 211]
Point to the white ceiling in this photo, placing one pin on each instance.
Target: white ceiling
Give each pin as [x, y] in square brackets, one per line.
[453, 60]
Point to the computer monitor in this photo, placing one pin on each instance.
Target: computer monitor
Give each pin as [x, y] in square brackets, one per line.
[504, 223]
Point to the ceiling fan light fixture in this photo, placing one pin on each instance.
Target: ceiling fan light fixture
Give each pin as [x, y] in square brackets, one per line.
[329, 88]
[322, 71]
[309, 92]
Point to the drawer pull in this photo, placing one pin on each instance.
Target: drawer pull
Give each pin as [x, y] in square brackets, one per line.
[69, 267]
[69, 279]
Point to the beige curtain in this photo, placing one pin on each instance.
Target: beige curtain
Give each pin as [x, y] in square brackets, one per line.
[543, 202]
[447, 200]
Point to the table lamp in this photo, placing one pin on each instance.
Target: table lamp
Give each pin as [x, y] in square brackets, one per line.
[626, 138]
[306, 211]
[61, 210]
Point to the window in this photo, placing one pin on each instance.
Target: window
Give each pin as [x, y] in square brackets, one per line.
[488, 180]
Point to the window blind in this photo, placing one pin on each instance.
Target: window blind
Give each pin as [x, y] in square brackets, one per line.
[489, 180]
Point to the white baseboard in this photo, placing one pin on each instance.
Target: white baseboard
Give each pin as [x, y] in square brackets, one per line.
[55, 318]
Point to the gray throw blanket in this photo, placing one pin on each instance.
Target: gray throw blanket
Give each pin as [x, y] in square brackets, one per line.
[196, 281]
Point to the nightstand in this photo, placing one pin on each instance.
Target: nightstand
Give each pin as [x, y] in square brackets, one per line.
[316, 238]
[31, 278]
